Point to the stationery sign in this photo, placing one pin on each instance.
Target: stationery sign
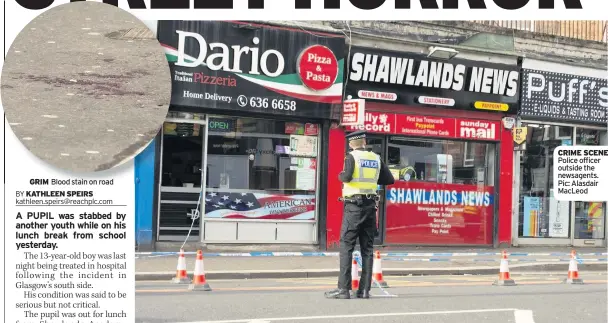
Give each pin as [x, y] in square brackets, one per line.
[353, 112]
[564, 97]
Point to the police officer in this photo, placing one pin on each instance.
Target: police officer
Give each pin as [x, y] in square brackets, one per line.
[363, 172]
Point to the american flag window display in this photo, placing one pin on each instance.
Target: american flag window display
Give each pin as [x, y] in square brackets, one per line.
[252, 173]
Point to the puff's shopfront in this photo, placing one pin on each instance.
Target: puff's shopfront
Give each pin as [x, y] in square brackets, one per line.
[241, 144]
[561, 105]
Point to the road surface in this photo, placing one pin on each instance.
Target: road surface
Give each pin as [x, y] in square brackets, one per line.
[538, 298]
[85, 86]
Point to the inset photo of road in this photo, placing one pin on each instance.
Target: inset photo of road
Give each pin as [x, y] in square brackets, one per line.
[85, 86]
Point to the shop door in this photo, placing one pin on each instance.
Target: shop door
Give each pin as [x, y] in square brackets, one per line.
[376, 144]
[182, 173]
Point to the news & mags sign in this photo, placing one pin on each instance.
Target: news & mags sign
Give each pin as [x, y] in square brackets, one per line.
[253, 68]
[417, 80]
[564, 97]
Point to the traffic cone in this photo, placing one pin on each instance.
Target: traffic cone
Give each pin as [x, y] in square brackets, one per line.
[377, 271]
[504, 278]
[573, 271]
[198, 281]
[354, 273]
[181, 276]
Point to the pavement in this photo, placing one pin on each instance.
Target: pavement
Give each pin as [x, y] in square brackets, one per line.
[537, 298]
[162, 266]
[85, 86]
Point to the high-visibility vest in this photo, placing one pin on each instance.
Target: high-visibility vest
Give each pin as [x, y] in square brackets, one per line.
[407, 173]
[365, 174]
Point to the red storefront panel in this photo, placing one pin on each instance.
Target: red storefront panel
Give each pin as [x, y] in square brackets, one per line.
[435, 213]
[431, 126]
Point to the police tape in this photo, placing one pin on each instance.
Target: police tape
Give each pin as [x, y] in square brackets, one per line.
[384, 255]
[545, 260]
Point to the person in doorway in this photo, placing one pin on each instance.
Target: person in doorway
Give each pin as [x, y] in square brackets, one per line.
[363, 172]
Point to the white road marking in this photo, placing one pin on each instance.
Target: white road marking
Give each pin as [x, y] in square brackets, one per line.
[110, 130]
[64, 154]
[50, 116]
[326, 317]
[14, 123]
[99, 53]
[87, 18]
[92, 152]
[27, 138]
[17, 51]
[73, 81]
[70, 94]
[94, 34]
[61, 126]
[50, 42]
[86, 28]
[524, 316]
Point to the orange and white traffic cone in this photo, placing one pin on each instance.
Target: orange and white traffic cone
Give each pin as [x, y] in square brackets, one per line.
[504, 277]
[199, 282]
[181, 277]
[573, 277]
[377, 271]
[354, 273]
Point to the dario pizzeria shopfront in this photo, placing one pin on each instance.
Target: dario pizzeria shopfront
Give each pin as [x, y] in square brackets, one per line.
[438, 125]
[238, 160]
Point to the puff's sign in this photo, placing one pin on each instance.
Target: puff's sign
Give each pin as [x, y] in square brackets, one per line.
[561, 96]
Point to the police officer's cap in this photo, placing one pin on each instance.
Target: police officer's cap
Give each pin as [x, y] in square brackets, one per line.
[355, 135]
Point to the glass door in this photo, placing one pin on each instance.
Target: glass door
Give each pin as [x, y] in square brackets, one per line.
[589, 220]
[181, 176]
[376, 144]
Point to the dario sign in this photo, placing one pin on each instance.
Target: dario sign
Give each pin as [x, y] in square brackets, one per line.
[318, 67]
[260, 69]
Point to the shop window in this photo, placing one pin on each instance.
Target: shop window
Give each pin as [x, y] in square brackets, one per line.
[261, 169]
[540, 214]
[590, 217]
[444, 193]
[182, 154]
[441, 161]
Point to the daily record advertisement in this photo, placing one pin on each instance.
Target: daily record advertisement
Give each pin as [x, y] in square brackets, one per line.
[210, 161]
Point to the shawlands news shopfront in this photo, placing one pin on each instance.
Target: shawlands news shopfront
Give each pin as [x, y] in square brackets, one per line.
[561, 105]
[249, 111]
[438, 125]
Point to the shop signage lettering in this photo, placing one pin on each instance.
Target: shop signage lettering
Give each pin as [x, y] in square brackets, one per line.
[376, 122]
[257, 61]
[436, 101]
[429, 126]
[439, 75]
[412, 79]
[477, 130]
[307, 5]
[559, 96]
[353, 112]
[439, 213]
[318, 67]
[385, 96]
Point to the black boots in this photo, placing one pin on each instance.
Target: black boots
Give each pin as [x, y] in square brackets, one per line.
[338, 294]
[345, 294]
[362, 294]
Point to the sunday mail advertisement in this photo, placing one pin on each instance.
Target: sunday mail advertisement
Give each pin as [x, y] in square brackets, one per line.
[145, 172]
[581, 173]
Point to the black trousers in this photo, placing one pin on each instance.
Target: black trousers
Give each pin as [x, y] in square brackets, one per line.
[359, 222]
